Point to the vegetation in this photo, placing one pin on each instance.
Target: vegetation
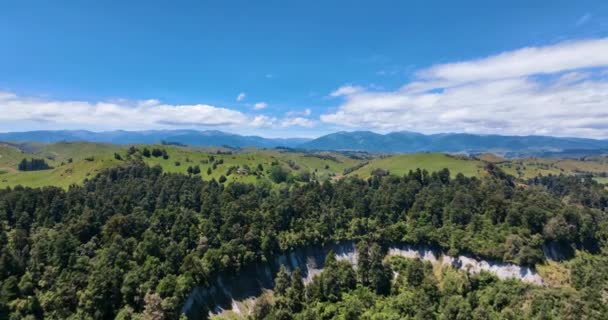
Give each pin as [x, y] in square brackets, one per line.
[70, 166]
[133, 241]
[420, 292]
[33, 165]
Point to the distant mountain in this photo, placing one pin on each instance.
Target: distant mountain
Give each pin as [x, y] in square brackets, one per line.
[395, 142]
[409, 142]
[189, 137]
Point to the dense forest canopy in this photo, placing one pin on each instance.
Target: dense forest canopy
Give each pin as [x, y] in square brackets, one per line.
[134, 241]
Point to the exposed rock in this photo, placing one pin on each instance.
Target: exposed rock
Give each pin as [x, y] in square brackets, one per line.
[226, 289]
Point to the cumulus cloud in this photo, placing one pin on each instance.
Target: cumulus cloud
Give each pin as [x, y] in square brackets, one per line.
[241, 96]
[122, 114]
[119, 114]
[554, 90]
[260, 106]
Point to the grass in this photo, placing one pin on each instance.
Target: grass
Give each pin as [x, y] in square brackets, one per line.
[555, 274]
[402, 164]
[61, 176]
[9, 157]
[531, 167]
[66, 173]
[323, 165]
[322, 168]
[603, 180]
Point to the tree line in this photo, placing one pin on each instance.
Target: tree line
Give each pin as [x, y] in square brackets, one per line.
[33, 165]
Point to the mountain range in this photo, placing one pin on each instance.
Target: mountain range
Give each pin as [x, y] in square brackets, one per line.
[187, 137]
[395, 142]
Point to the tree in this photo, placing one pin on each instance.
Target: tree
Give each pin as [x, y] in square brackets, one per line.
[281, 282]
[222, 179]
[33, 165]
[131, 151]
[278, 174]
[153, 309]
[262, 307]
[157, 152]
[379, 274]
[363, 263]
[295, 293]
[146, 153]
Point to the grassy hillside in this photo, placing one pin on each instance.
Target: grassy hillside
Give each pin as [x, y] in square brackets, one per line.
[9, 157]
[73, 162]
[402, 164]
[531, 167]
[61, 176]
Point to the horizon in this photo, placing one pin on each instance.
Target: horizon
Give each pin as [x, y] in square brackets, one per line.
[310, 138]
[478, 68]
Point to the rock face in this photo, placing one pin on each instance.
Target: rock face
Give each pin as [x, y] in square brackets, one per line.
[468, 264]
[222, 293]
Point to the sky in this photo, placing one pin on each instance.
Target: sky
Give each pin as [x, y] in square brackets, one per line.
[306, 68]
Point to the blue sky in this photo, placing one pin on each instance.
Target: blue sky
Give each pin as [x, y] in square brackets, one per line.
[304, 68]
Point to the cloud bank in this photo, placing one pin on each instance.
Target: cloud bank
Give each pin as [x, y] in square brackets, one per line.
[553, 90]
[122, 114]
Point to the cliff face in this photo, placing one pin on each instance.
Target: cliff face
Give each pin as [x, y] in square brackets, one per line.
[250, 282]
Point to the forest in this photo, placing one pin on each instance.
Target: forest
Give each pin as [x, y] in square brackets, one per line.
[133, 241]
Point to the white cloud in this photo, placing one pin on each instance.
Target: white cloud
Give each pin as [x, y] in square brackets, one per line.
[26, 113]
[119, 115]
[297, 121]
[260, 106]
[262, 121]
[241, 96]
[306, 112]
[523, 62]
[346, 90]
[6, 95]
[553, 90]
[583, 19]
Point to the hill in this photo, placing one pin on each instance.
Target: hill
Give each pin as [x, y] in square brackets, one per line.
[402, 164]
[189, 137]
[409, 142]
[366, 141]
[73, 162]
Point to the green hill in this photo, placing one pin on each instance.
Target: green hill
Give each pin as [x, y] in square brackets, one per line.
[73, 162]
[402, 164]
